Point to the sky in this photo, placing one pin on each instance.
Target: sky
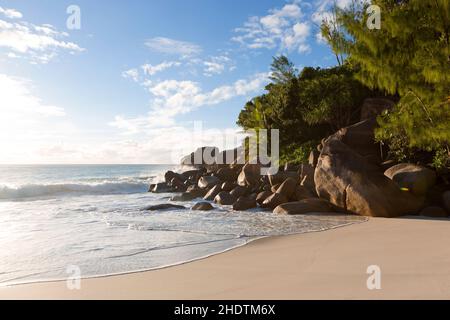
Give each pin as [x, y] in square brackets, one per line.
[137, 82]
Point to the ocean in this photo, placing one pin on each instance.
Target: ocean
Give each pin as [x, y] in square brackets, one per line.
[55, 217]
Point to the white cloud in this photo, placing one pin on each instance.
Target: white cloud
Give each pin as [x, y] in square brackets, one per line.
[213, 68]
[297, 38]
[304, 48]
[172, 98]
[139, 124]
[281, 29]
[278, 19]
[171, 46]
[148, 70]
[39, 43]
[154, 69]
[132, 74]
[18, 102]
[11, 13]
[217, 65]
[26, 120]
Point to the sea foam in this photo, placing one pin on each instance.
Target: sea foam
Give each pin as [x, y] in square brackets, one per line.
[59, 189]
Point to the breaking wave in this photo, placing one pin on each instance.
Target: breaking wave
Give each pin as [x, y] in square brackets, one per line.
[60, 189]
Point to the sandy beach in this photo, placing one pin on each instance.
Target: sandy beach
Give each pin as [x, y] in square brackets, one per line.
[413, 254]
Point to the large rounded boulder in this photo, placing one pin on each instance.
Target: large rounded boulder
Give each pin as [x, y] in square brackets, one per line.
[161, 188]
[244, 203]
[164, 206]
[185, 196]
[212, 193]
[228, 186]
[301, 193]
[305, 206]
[373, 107]
[287, 188]
[280, 177]
[446, 200]
[250, 175]
[170, 175]
[208, 182]
[196, 192]
[274, 201]
[239, 191]
[313, 158]
[434, 212]
[360, 138]
[349, 181]
[226, 174]
[262, 196]
[307, 177]
[225, 198]
[416, 179]
[203, 206]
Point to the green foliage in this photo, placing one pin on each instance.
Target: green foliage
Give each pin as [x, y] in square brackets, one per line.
[418, 124]
[282, 70]
[332, 32]
[256, 114]
[408, 56]
[280, 108]
[297, 154]
[332, 96]
[441, 159]
[305, 107]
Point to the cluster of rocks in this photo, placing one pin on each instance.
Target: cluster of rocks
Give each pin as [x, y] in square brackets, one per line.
[351, 175]
[346, 174]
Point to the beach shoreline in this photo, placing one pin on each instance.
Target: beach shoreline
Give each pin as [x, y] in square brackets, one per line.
[251, 240]
[319, 265]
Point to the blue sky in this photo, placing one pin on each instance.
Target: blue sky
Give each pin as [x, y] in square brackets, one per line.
[136, 81]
